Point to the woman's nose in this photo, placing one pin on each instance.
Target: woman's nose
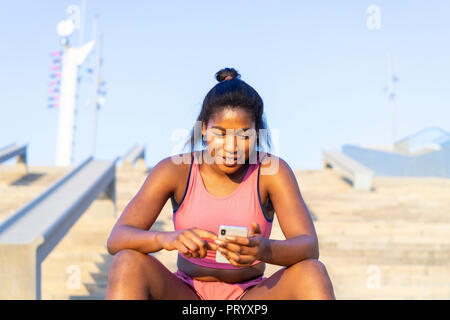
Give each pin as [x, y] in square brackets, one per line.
[230, 144]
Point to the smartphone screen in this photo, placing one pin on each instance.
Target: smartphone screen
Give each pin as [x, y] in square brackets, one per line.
[224, 231]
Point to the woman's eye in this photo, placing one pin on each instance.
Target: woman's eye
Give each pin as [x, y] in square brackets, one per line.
[239, 136]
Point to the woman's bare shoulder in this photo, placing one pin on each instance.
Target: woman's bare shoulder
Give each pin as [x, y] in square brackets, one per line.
[173, 166]
[160, 184]
[270, 160]
[275, 168]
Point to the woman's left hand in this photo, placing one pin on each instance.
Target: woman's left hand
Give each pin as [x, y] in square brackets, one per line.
[243, 251]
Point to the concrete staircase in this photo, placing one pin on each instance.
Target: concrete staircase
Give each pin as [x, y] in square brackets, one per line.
[78, 267]
[392, 243]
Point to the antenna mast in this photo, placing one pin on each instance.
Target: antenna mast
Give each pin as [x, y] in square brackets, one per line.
[391, 94]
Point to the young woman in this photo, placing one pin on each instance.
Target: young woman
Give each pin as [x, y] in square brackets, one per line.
[230, 181]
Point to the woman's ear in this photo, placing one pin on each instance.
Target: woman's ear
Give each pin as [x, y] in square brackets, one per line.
[204, 134]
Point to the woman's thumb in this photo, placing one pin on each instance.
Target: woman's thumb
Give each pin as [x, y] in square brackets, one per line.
[255, 228]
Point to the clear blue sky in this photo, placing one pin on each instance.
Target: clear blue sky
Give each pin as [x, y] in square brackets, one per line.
[319, 69]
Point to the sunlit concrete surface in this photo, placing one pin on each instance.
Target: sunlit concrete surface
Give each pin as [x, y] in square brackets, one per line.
[390, 243]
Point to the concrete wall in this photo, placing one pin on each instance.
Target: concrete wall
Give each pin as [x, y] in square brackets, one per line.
[383, 163]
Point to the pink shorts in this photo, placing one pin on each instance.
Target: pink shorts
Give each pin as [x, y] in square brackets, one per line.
[216, 290]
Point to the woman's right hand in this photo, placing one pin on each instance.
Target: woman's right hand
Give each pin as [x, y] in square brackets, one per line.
[188, 242]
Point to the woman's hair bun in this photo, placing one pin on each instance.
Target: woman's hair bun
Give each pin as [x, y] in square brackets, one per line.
[222, 74]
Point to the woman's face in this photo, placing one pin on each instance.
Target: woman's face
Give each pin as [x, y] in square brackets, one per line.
[230, 137]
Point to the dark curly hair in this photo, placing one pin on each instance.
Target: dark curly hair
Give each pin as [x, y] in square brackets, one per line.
[232, 92]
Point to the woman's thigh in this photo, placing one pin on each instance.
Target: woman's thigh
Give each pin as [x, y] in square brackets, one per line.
[307, 279]
[135, 275]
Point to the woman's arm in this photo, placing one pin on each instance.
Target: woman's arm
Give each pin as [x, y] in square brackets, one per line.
[290, 251]
[295, 221]
[131, 230]
[129, 237]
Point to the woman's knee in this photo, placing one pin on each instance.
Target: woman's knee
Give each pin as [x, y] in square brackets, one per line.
[309, 272]
[128, 275]
[128, 262]
[308, 267]
[313, 277]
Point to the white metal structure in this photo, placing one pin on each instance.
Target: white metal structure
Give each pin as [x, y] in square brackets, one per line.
[72, 58]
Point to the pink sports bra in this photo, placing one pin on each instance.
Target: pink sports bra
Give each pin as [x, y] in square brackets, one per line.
[198, 208]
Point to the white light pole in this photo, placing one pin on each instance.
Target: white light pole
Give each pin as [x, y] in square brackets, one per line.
[72, 58]
[391, 94]
[97, 81]
[97, 100]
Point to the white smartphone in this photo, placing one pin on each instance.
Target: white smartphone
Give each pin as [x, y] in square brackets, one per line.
[229, 231]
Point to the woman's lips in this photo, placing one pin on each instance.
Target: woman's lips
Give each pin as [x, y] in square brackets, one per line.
[230, 161]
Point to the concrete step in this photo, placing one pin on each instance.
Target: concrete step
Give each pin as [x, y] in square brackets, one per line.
[100, 276]
[73, 272]
[388, 280]
[87, 291]
[87, 297]
[386, 275]
[424, 269]
[385, 257]
[400, 230]
[85, 240]
[344, 214]
[60, 277]
[348, 243]
[79, 254]
[398, 292]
